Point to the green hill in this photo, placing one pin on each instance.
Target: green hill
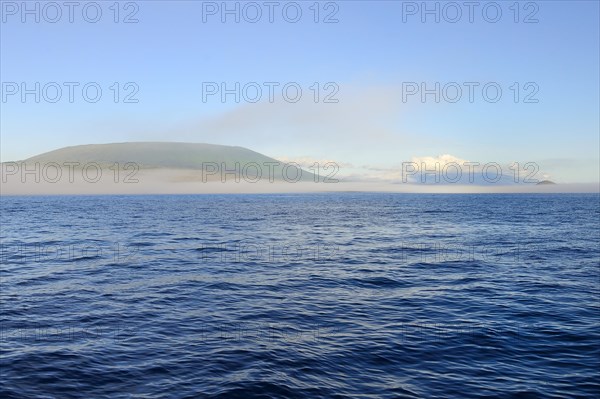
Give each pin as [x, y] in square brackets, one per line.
[168, 155]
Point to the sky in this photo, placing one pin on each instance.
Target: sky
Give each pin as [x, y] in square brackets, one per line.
[162, 65]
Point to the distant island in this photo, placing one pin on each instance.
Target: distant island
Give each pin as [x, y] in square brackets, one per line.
[196, 168]
[166, 155]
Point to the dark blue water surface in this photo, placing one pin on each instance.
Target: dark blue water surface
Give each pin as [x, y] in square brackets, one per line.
[321, 295]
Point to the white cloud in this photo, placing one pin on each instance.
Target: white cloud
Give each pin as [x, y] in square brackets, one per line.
[307, 162]
[440, 160]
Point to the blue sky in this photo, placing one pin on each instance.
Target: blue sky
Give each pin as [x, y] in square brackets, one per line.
[370, 54]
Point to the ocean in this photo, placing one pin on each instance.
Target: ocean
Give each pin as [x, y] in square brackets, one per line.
[345, 295]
